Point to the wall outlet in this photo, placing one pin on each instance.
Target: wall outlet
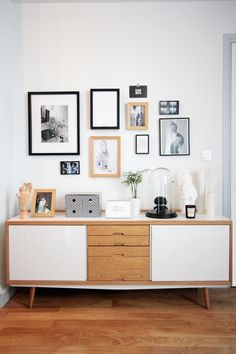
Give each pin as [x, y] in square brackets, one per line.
[206, 155]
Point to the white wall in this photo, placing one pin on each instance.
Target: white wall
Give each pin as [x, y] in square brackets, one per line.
[174, 48]
[9, 83]
[233, 156]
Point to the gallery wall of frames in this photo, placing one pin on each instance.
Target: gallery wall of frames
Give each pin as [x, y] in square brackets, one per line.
[107, 91]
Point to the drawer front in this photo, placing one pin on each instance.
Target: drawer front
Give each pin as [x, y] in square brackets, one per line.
[118, 240]
[118, 268]
[115, 230]
[108, 251]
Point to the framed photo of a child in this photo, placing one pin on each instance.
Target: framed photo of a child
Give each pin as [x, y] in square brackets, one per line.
[104, 156]
[43, 202]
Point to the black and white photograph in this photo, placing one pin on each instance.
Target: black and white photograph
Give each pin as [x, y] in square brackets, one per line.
[138, 91]
[70, 167]
[174, 136]
[53, 123]
[137, 116]
[105, 108]
[142, 144]
[168, 107]
[105, 156]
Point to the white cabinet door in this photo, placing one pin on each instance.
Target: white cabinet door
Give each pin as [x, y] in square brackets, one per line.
[47, 252]
[190, 253]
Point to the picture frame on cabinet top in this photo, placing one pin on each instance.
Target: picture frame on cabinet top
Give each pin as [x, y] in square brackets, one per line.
[43, 202]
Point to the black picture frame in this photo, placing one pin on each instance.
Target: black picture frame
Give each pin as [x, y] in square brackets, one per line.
[142, 144]
[138, 91]
[70, 167]
[54, 123]
[174, 136]
[170, 107]
[105, 107]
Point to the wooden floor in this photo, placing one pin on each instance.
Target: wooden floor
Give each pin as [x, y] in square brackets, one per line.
[141, 322]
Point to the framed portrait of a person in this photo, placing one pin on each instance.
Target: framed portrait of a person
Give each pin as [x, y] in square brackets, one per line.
[137, 115]
[174, 136]
[70, 167]
[43, 202]
[104, 156]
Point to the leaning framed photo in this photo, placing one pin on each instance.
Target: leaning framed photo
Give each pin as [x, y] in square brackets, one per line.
[168, 107]
[142, 144]
[53, 123]
[105, 109]
[174, 136]
[43, 202]
[137, 115]
[104, 156]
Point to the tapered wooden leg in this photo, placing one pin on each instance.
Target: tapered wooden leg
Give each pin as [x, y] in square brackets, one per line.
[206, 297]
[31, 297]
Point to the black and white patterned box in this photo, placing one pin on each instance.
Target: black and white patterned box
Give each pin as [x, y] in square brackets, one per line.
[82, 205]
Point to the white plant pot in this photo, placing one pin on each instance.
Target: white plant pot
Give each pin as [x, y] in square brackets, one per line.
[135, 206]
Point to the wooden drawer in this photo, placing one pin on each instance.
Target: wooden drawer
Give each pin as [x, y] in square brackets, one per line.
[116, 230]
[118, 240]
[118, 268]
[108, 251]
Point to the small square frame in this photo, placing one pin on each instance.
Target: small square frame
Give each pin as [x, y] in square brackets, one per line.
[168, 108]
[174, 136]
[47, 208]
[105, 108]
[137, 115]
[142, 144]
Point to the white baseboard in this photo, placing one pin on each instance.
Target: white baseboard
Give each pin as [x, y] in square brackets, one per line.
[6, 295]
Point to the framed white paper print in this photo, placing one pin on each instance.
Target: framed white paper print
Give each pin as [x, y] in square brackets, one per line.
[105, 109]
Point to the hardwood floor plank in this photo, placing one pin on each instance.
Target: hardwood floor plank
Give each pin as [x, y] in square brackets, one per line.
[139, 322]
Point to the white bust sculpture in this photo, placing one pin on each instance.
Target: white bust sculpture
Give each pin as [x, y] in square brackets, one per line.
[188, 193]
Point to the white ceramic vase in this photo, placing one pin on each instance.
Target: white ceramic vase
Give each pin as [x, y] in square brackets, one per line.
[135, 206]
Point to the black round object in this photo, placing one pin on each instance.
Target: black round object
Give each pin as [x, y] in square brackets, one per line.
[160, 200]
[154, 215]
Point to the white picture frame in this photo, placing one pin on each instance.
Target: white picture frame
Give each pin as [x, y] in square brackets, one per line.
[118, 209]
[142, 144]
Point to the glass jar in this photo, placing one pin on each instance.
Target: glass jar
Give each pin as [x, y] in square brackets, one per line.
[161, 194]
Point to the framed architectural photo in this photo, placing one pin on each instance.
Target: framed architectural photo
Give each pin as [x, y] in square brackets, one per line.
[53, 123]
[105, 109]
[168, 107]
[142, 144]
[137, 115]
[174, 136]
[43, 202]
[104, 156]
[70, 167]
[138, 91]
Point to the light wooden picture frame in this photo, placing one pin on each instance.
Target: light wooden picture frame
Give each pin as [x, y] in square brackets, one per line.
[137, 115]
[104, 156]
[43, 202]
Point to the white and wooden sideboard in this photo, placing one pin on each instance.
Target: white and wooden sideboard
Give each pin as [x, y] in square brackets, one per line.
[140, 253]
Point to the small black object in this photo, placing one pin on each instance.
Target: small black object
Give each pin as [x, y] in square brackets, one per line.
[190, 211]
[160, 211]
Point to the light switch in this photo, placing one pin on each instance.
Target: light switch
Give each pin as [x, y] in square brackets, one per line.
[206, 155]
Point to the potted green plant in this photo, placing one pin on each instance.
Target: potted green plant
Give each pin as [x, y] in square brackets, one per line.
[133, 179]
